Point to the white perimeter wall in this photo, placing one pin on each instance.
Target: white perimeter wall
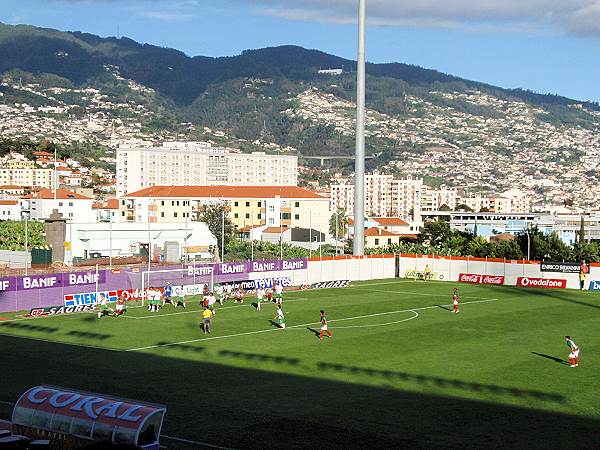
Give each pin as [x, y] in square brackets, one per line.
[450, 268]
[341, 268]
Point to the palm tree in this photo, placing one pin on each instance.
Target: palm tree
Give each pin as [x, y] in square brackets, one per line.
[338, 223]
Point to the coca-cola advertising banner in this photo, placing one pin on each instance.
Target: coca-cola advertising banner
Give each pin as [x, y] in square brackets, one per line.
[547, 283]
[475, 278]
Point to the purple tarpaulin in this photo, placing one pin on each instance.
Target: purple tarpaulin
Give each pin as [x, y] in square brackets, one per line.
[36, 291]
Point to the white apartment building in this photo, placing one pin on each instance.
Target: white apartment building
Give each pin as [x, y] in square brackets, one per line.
[512, 201]
[434, 199]
[10, 210]
[406, 198]
[384, 196]
[70, 205]
[476, 202]
[247, 206]
[200, 164]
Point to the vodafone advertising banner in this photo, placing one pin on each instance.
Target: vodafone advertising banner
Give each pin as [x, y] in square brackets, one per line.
[474, 278]
[546, 283]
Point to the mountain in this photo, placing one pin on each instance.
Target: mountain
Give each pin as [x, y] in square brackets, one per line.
[91, 92]
[80, 57]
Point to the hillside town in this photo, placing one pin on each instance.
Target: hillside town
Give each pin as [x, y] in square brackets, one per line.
[487, 175]
[514, 150]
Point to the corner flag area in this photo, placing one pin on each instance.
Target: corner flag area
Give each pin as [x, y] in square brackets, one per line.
[401, 370]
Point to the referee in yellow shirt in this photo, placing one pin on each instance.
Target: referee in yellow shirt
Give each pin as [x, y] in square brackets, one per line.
[207, 320]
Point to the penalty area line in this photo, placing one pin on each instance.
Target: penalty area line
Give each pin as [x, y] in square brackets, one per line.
[248, 333]
[188, 441]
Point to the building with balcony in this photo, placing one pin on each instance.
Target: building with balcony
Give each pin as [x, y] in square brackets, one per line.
[70, 205]
[247, 206]
[200, 164]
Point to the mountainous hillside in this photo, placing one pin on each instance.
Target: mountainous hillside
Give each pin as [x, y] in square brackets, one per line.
[80, 89]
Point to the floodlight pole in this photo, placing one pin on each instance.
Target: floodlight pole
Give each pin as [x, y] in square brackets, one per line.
[359, 163]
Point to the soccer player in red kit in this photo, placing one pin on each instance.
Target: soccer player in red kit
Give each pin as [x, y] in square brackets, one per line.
[324, 326]
[455, 301]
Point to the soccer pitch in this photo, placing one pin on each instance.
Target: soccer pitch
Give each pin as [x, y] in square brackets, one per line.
[402, 371]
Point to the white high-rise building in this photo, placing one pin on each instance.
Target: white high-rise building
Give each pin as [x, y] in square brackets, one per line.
[406, 197]
[198, 163]
[434, 199]
[384, 196]
[512, 201]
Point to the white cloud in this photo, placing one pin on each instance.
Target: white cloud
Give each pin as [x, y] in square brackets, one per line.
[167, 16]
[571, 16]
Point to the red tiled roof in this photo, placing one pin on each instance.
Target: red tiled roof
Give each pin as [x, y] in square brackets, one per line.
[62, 194]
[275, 230]
[252, 227]
[374, 231]
[111, 203]
[12, 187]
[42, 154]
[8, 202]
[390, 221]
[225, 192]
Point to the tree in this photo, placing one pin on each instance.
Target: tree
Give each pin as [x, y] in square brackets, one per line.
[508, 249]
[12, 235]
[445, 207]
[582, 231]
[436, 233]
[341, 219]
[212, 216]
[480, 247]
[463, 207]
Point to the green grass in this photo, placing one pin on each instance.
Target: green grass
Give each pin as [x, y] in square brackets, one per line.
[427, 379]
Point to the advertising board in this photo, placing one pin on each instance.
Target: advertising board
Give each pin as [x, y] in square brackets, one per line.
[420, 275]
[594, 286]
[562, 267]
[475, 278]
[546, 283]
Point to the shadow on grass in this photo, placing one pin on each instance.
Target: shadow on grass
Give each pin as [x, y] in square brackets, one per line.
[260, 357]
[262, 409]
[558, 294]
[553, 358]
[274, 324]
[185, 347]
[28, 327]
[313, 331]
[443, 307]
[89, 334]
[443, 382]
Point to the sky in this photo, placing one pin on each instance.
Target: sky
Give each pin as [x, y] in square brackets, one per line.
[549, 46]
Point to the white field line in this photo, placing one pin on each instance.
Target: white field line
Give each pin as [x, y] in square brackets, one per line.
[187, 441]
[298, 326]
[420, 293]
[416, 314]
[197, 311]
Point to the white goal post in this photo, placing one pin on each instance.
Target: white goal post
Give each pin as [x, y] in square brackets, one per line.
[190, 280]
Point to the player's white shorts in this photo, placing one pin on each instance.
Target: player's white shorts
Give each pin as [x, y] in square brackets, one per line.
[120, 307]
[455, 303]
[324, 327]
[574, 354]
